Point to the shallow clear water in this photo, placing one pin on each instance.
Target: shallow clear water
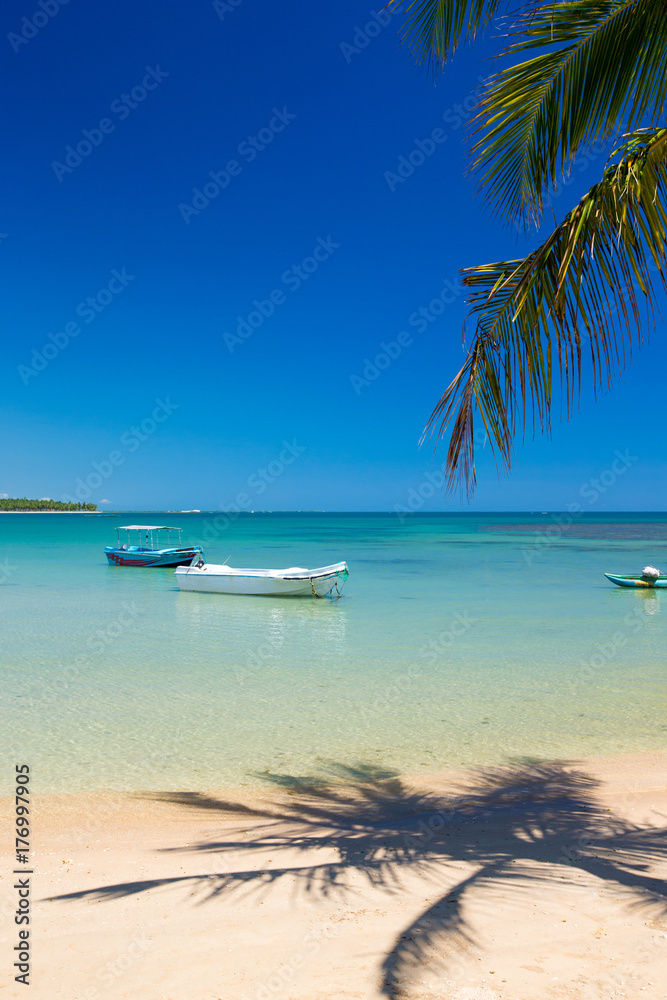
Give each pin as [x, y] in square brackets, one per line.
[459, 640]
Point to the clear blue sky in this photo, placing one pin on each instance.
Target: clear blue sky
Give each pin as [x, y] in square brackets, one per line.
[303, 115]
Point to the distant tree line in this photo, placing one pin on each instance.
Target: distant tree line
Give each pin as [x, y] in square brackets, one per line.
[12, 503]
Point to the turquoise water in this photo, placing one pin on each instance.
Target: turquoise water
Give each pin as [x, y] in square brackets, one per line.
[460, 640]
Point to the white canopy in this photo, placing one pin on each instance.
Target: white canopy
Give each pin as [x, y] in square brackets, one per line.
[146, 527]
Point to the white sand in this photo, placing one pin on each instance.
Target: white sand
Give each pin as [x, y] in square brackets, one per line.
[345, 892]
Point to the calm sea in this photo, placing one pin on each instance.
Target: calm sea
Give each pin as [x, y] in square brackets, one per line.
[460, 640]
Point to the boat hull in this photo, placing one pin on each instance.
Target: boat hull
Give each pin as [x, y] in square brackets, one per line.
[296, 582]
[135, 556]
[636, 581]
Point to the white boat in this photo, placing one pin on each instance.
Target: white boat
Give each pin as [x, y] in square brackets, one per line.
[293, 582]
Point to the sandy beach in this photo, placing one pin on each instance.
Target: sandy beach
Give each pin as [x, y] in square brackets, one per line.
[534, 880]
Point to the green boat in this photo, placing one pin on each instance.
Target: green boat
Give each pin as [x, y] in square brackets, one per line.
[637, 581]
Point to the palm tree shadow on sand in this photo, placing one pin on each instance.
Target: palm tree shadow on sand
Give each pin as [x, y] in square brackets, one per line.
[514, 826]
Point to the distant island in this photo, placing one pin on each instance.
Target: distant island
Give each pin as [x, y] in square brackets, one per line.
[45, 505]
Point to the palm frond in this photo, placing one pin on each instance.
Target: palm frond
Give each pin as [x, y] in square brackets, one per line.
[584, 283]
[434, 28]
[604, 70]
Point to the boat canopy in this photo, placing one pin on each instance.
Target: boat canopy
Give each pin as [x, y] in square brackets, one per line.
[146, 527]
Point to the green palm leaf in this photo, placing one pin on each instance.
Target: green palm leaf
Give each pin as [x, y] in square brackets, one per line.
[582, 286]
[434, 28]
[606, 64]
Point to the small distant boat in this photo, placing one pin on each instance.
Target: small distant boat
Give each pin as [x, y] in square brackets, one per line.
[650, 577]
[293, 582]
[150, 548]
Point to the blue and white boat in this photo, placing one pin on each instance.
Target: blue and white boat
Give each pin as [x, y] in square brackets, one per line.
[145, 546]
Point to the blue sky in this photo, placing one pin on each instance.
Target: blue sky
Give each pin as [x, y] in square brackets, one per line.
[205, 240]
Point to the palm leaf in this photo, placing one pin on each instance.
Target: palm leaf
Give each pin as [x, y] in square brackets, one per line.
[434, 28]
[604, 70]
[584, 283]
